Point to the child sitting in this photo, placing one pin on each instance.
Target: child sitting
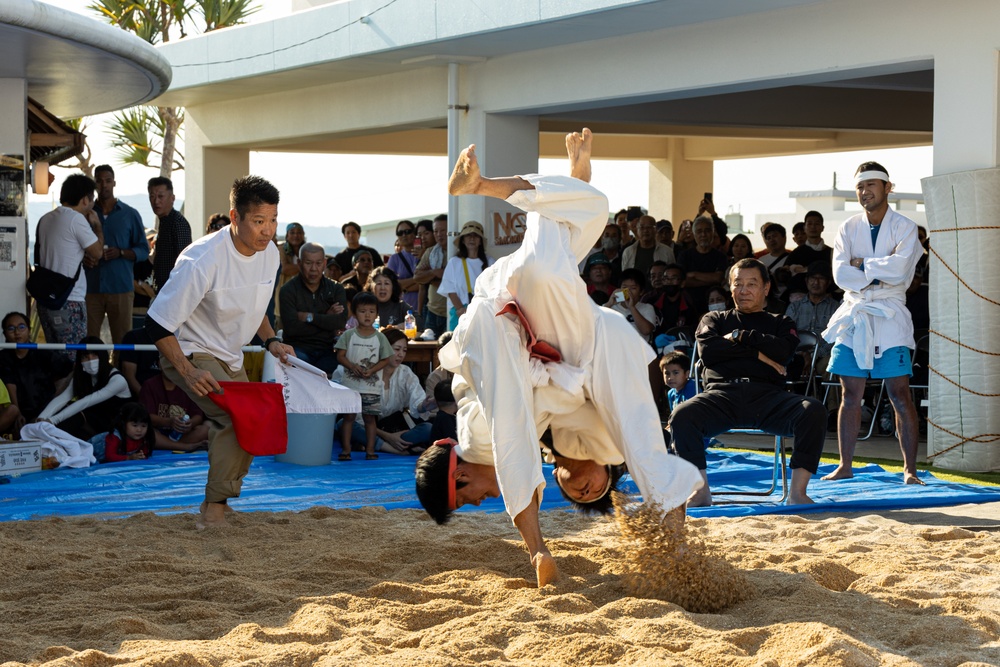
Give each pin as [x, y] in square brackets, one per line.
[167, 404]
[445, 422]
[132, 435]
[676, 369]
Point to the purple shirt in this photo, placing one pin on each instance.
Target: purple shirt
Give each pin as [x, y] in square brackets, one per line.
[403, 264]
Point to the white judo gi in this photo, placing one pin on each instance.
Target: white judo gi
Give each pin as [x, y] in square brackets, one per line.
[874, 318]
[596, 401]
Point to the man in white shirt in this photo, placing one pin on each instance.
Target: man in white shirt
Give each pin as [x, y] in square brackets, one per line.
[534, 343]
[213, 304]
[874, 259]
[67, 238]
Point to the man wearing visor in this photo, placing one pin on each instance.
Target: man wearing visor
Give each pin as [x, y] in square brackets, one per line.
[534, 353]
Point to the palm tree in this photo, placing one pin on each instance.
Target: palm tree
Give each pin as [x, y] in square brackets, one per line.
[143, 133]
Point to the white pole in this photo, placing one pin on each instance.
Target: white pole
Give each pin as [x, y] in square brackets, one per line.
[453, 150]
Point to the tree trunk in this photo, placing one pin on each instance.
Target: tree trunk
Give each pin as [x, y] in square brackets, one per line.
[171, 123]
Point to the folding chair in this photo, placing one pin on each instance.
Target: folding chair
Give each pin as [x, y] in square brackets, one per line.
[809, 342]
[780, 468]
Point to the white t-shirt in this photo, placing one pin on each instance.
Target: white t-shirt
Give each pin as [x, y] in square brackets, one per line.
[216, 298]
[63, 235]
[453, 280]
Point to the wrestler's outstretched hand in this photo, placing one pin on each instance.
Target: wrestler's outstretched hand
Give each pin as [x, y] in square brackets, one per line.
[578, 147]
[465, 179]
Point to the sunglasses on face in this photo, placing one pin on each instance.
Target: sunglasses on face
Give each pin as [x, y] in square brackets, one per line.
[404, 232]
[15, 327]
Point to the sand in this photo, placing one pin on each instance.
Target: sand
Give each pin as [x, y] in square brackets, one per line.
[371, 587]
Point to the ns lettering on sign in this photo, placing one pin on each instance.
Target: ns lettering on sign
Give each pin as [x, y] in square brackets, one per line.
[508, 227]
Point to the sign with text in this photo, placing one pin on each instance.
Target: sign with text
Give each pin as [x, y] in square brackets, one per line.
[508, 227]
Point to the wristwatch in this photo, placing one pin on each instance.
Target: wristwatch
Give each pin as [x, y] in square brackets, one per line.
[309, 318]
[735, 335]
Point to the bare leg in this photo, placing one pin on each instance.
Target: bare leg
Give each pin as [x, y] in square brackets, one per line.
[797, 492]
[703, 496]
[346, 428]
[546, 570]
[906, 425]
[371, 433]
[848, 423]
[466, 179]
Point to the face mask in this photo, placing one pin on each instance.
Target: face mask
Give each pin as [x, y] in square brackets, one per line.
[609, 243]
[671, 290]
[716, 306]
[89, 366]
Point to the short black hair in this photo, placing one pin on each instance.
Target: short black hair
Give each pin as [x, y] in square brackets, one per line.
[775, 227]
[160, 180]
[798, 227]
[14, 313]
[870, 166]
[750, 263]
[618, 230]
[443, 217]
[75, 188]
[444, 338]
[602, 505]
[252, 191]
[363, 299]
[443, 393]
[104, 167]
[379, 271]
[426, 224]
[813, 214]
[432, 482]
[677, 359]
[348, 225]
[677, 267]
[636, 275]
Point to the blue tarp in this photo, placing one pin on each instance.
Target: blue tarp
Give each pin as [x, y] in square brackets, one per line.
[171, 483]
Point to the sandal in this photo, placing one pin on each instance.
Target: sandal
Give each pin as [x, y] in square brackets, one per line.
[344, 456]
[371, 457]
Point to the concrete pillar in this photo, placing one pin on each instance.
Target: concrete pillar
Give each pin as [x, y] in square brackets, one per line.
[962, 204]
[505, 145]
[14, 146]
[965, 108]
[676, 184]
[209, 174]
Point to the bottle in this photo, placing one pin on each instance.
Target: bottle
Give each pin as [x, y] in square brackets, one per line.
[176, 435]
[375, 323]
[410, 326]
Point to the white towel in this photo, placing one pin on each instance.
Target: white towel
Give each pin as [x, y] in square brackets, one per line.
[69, 451]
[307, 390]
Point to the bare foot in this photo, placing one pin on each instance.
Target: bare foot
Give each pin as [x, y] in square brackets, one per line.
[465, 179]
[578, 147]
[546, 569]
[212, 516]
[910, 478]
[701, 498]
[799, 499]
[842, 472]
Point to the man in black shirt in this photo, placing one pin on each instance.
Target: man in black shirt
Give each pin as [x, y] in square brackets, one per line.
[744, 352]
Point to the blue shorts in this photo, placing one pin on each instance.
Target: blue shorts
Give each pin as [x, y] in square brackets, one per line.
[894, 362]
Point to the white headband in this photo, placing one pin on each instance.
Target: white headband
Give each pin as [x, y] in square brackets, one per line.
[870, 175]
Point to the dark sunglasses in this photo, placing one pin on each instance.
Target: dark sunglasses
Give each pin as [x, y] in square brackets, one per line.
[404, 232]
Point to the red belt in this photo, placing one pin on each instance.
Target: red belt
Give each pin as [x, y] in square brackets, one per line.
[538, 348]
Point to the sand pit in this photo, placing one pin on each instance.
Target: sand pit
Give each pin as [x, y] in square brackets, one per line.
[371, 587]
